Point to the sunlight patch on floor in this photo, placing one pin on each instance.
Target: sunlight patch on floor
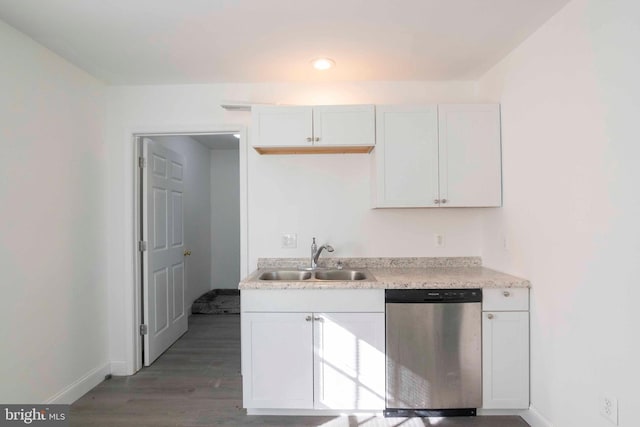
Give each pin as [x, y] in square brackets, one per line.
[371, 421]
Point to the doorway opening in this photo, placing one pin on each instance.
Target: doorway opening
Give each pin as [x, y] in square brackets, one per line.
[202, 218]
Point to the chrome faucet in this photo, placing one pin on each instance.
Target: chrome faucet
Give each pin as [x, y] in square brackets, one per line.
[316, 251]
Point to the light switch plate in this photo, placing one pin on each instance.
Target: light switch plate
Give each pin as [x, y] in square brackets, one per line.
[289, 240]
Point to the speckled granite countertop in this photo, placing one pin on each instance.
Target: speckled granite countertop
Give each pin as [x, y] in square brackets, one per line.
[391, 273]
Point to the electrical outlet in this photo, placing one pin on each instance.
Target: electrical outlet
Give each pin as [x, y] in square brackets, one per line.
[438, 240]
[609, 408]
[290, 240]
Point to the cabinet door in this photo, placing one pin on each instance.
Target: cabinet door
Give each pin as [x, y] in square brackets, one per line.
[277, 360]
[470, 163]
[276, 126]
[406, 156]
[349, 361]
[350, 125]
[505, 360]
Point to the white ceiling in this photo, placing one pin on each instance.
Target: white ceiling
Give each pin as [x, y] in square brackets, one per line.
[211, 41]
[219, 142]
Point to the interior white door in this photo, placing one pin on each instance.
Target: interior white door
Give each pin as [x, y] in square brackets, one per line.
[164, 276]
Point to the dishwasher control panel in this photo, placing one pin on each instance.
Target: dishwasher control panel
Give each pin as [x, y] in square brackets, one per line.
[412, 296]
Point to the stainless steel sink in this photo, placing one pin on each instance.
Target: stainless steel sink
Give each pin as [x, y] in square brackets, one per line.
[290, 275]
[317, 275]
[345, 275]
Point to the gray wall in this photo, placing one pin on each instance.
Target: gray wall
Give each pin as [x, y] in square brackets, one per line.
[225, 218]
[197, 219]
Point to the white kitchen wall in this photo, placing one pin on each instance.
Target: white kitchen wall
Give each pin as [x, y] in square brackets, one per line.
[326, 196]
[225, 218]
[197, 216]
[53, 306]
[570, 111]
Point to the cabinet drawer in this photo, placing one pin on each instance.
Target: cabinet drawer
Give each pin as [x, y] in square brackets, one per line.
[312, 300]
[505, 299]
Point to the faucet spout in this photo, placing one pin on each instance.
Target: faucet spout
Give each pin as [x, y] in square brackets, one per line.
[315, 252]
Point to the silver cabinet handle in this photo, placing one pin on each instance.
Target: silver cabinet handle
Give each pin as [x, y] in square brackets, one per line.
[317, 139]
[436, 201]
[317, 318]
[489, 316]
[506, 293]
[309, 139]
[443, 201]
[308, 318]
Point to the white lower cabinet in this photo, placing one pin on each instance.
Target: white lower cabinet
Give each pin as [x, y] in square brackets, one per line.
[335, 360]
[313, 359]
[349, 361]
[278, 369]
[505, 356]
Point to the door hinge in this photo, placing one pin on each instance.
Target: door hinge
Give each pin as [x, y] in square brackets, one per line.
[142, 162]
[142, 245]
[144, 329]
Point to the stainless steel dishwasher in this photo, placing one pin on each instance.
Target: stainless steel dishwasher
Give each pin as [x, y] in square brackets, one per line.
[433, 352]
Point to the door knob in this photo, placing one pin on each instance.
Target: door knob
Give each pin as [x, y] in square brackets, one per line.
[308, 318]
[187, 252]
[506, 293]
[443, 201]
[436, 201]
[489, 316]
[309, 139]
[317, 139]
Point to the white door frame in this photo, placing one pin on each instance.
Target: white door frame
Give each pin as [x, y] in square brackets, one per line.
[133, 299]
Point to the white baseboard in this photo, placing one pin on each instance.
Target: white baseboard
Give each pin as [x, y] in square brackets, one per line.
[516, 412]
[531, 415]
[81, 386]
[535, 419]
[120, 369]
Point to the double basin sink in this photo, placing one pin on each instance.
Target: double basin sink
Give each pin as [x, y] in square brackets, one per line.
[316, 275]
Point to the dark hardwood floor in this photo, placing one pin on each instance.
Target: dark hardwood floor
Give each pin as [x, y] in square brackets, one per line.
[197, 383]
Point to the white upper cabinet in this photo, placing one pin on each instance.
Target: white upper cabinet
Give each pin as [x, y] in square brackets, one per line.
[275, 126]
[313, 129]
[437, 156]
[344, 125]
[406, 156]
[469, 142]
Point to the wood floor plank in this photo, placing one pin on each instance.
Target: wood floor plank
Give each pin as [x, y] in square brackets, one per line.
[197, 382]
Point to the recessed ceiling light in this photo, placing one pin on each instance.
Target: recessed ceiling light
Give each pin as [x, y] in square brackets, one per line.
[323, 63]
[237, 135]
